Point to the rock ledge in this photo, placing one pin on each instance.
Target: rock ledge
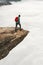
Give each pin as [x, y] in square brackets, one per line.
[9, 39]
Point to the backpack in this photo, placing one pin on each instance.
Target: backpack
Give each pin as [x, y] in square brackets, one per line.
[16, 19]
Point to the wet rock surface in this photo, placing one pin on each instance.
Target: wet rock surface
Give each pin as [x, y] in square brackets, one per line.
[9, 39]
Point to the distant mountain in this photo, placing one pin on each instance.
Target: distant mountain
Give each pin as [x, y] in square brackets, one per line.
[7, 2]
[4, 2]
[13, 0]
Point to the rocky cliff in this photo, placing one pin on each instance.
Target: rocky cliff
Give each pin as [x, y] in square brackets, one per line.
[9, 39]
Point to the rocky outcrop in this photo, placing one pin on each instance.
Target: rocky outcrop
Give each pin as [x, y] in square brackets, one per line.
[9, 39]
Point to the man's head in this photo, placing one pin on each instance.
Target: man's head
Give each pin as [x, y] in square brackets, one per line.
[19, 15]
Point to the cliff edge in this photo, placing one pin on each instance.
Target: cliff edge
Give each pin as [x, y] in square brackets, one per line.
[9, 39]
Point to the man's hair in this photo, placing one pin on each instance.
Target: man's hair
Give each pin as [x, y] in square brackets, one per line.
[19, 15]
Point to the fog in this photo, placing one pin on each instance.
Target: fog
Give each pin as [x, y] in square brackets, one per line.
[30, 50]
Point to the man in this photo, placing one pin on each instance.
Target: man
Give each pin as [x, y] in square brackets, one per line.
[17, 20]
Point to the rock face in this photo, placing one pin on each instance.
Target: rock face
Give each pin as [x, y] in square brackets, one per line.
[9, 39]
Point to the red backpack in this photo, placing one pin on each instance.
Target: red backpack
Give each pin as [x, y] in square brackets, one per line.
[16, 19]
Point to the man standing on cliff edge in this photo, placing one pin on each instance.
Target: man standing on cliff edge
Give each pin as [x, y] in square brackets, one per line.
[17, 20]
